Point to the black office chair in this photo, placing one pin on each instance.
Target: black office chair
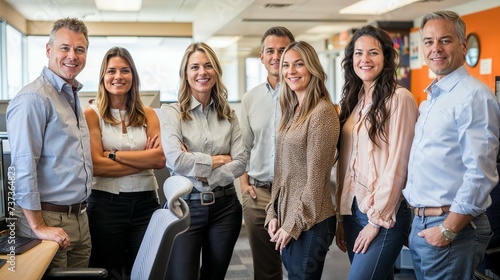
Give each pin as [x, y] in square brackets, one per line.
[154, 254]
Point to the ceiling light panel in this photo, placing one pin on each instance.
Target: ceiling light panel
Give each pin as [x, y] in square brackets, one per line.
[119, 5]
[375, 7]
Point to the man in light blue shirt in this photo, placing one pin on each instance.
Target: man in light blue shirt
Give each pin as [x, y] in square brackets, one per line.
[452, 165]
[260, 117]
[50, 149]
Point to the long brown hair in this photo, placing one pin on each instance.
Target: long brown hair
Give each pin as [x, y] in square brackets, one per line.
[219, 90]
[136, 111]
[316, 89]
[384, 87]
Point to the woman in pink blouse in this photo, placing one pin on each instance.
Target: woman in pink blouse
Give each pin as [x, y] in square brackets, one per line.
[377, 118]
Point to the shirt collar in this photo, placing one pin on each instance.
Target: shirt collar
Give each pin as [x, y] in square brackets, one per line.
[195, 103]
[447, 83]
[271, 90]
[58, 82]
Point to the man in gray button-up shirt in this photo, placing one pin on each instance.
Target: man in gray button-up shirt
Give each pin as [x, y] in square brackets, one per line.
[50, 149]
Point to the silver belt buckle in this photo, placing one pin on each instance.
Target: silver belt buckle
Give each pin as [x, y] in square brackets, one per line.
[207, 198]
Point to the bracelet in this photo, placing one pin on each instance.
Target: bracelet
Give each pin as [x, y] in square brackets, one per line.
[373, 224]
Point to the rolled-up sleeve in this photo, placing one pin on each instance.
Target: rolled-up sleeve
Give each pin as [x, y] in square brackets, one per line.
[388, 190]
[26, 121]
[478, 130]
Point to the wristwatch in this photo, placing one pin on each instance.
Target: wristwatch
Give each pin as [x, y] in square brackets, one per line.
[447, 233]
[112, 155]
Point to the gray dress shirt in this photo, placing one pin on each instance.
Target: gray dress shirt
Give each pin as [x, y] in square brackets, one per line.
[203, 136]
[50, 144]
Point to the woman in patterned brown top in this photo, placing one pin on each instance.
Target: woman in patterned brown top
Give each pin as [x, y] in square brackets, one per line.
[300, 216]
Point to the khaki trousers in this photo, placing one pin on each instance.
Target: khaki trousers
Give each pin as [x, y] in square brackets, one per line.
[77, 228]
[266, 260]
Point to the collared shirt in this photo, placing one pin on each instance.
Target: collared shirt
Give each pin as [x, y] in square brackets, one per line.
[376, 175]
[203, 136]
[50, 144]
[453, 156]
[260, 117]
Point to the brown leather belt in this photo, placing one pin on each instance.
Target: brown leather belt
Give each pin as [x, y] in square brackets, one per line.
[75, 208]
[431, 211]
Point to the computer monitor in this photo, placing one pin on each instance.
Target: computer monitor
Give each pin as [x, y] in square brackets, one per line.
[4, 189]
[151, 98]
[3, 111]
[86, 98]
[497, 87]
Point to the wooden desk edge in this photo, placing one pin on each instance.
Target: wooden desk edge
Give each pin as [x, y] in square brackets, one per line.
[31, 264]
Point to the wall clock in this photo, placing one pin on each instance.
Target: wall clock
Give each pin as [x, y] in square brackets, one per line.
[472, 56]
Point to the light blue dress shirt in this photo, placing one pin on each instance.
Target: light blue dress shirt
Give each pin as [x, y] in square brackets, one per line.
[260, 117]
[203, 136]
[50, 144]
[453, 156]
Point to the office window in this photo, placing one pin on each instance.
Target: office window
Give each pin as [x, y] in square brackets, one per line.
[256, 72]
[14, 59]
[157, 60]
[3, 87]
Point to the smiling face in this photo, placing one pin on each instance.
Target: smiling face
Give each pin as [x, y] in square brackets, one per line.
[271, 54]
[118, 76]
[295, 72]
[68, 54]
[442, 49]
[368, 59]
[200, 75]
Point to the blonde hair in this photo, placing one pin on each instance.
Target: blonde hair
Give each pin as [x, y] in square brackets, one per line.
[136, 111]
[219, 90]
[316, 89]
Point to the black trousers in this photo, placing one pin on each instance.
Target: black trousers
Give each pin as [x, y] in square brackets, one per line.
[213, 231]
[117, 225]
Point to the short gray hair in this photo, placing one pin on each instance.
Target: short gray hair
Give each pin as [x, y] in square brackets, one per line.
[73, 24]
[449, 16]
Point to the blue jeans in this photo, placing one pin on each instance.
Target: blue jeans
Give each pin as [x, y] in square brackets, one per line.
[304, 258]
[455, 261]
[378, 261]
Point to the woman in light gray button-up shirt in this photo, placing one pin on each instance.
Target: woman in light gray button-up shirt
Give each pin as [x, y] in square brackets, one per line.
[202, 141]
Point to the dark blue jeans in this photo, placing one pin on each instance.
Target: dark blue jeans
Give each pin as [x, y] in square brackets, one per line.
[304, 258]
[378, 261]
[117, 225]
[213, 231]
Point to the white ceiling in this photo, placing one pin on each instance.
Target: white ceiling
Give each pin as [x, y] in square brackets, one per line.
[307, 19]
